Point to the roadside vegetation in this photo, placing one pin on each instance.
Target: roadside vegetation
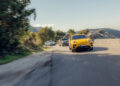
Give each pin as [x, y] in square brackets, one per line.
[16, 39]
[72, 32]
[14, 26]
[86, 31]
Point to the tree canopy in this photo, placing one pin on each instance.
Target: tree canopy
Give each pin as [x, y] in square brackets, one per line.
[86, 31]
[71, 31]
[59, 34]
[46, 34]
[14, 23]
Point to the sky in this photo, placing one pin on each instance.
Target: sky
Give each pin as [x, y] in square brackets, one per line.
[76, 14]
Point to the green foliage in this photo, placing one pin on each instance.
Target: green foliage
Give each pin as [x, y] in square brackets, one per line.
[86, 31]
[14, 23]
[46, 34]
[71, 31]
[12, 57]
[31, 41]
[59, 34]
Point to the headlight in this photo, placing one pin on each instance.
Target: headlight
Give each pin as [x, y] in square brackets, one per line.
[74, 42]
[90, 40]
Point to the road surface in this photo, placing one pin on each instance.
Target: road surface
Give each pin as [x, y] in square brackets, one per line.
[61, 67]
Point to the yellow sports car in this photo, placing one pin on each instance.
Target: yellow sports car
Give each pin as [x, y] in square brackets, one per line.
[80, 41]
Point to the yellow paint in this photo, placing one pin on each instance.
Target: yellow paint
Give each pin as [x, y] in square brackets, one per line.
[79, 42]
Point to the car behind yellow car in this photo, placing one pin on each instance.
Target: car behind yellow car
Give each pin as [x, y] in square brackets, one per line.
[80, 41]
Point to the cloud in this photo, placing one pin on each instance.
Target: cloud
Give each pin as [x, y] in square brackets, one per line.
[44, 25]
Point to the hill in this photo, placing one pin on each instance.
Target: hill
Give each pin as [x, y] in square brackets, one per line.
[104, 33]
[35, 29]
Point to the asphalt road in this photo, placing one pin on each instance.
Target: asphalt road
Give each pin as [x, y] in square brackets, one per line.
[100, 67]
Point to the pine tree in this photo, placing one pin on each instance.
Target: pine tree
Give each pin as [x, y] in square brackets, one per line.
[14, 23]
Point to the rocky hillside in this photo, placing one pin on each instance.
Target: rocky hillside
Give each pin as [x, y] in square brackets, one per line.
[104, 33]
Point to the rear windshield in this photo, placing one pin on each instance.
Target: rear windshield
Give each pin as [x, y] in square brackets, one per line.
[79, 37]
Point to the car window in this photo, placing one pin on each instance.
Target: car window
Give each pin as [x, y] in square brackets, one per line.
[79, 37]
[64, 39]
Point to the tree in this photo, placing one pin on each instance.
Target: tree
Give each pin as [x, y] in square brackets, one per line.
[14, 23]
[46, 34]
[59, 34]
[71, 32]
[86, 31]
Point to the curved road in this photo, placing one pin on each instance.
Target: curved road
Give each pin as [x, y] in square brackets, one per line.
[100, 67]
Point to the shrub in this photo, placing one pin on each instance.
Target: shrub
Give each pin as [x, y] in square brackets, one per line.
[31, 41]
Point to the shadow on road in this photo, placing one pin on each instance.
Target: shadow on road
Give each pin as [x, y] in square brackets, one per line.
[94, 50]
[100, 49]
[84, 50]
[86, 70]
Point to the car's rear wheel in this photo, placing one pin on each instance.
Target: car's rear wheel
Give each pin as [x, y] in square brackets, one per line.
[73, 50]
[60, 44]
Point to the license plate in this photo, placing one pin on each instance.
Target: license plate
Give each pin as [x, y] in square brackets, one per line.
[82, 45]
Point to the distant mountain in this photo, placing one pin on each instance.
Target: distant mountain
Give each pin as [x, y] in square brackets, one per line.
[35, 29]
[104, 33]
[114, 32]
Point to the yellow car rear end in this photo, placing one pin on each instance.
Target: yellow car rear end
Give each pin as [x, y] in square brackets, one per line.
[79, 41]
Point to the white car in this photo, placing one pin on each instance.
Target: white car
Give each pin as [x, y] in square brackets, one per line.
[50, 43]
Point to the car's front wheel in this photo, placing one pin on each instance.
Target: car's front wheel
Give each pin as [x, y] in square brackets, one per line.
[91, 48]
[73, 50]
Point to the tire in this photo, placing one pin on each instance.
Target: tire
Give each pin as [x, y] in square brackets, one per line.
[91, 48]
[73, 50]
